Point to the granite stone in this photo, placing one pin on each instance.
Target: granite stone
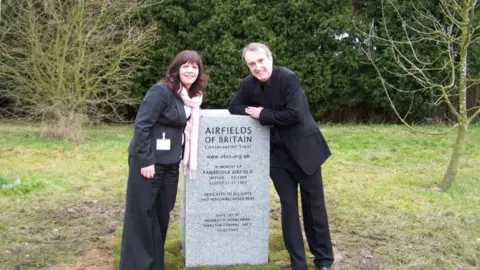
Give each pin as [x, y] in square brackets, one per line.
[224, 211]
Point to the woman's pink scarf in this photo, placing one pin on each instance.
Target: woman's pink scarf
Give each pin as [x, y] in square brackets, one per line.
[191, 134]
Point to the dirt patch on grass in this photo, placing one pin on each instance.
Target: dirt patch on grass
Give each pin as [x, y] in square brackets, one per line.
[355, 259]
[84, 232]
[98, 258]
[353, 251]
[89, 214]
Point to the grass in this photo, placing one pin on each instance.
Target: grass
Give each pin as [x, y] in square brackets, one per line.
[384, 209]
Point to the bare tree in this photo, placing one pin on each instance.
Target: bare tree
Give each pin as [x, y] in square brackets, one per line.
[453, 30]
[68, 62]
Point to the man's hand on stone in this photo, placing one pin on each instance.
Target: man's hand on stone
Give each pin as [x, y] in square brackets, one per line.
[254, 112]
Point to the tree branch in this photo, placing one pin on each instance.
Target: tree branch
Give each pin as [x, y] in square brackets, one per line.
[473, 116]
[392, 105]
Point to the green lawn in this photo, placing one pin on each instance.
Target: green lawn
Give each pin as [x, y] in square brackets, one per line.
[384, 209]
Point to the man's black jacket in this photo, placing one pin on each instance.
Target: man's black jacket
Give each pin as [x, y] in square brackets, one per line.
[287, 111]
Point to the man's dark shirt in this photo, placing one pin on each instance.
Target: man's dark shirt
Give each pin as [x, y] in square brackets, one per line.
[267, 95]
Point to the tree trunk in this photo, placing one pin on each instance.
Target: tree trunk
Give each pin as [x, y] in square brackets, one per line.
[458, 149]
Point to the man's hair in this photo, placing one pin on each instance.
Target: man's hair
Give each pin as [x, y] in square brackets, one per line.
[254, 47]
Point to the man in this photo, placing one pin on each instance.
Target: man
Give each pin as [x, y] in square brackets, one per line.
[273, 95]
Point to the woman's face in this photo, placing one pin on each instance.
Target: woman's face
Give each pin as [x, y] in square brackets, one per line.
[188, 74]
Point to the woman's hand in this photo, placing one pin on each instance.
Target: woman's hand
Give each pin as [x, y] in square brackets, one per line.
[148, 172]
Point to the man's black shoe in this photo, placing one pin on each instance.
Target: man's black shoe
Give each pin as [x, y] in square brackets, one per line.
[323, 268]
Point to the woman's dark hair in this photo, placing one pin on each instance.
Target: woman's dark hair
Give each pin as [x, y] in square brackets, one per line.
[172, 77]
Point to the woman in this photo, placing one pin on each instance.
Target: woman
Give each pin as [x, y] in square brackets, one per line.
[167, 117]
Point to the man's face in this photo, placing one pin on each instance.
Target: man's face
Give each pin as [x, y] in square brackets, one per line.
[259, 64]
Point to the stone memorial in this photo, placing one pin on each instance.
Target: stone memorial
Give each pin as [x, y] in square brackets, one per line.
[225, 210]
